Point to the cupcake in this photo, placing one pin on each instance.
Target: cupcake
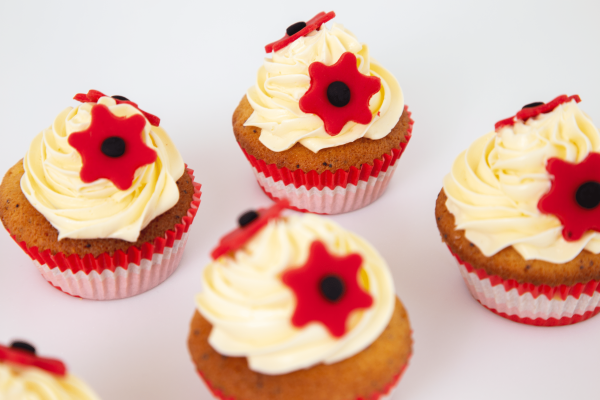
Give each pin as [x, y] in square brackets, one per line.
[519, 211]
[24, 375]
[102, 201]
[325, 124]
[295, 307]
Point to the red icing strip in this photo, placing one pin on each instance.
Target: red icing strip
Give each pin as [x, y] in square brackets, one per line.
[327, 178]
[235, 239]
[551, 292]
[375, 396]
[93, 96]
[313, 24]
[122, 259]
[527, 113]
[27, 359]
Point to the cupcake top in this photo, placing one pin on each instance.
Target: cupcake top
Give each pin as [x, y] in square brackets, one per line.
[293, 292]
[104, 169]
[532, 184]
[24, 376]
[321, 88]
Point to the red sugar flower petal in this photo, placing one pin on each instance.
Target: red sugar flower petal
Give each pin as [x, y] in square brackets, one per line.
[237, 238]
[312, 25]
[317, 303]
[27, 359]
[527, 113]
[93, 96]
[119, 169]
[361, 89]
[568, 200]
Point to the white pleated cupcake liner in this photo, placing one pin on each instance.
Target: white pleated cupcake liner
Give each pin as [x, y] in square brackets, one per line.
[327, 201]
[527, 307]
[120, 284]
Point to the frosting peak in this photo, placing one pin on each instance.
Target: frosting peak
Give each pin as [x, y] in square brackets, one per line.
[20, 383]
[494, 187]
[284, 79]
[79, 210]
[250, 307]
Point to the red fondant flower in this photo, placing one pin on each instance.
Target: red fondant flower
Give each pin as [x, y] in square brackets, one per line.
[539, 108]
[254, 221]
[112, 147]
[93, 96]
[574, 195]
[327, 289]
[300, 29]
[26, 358]
[339, 93]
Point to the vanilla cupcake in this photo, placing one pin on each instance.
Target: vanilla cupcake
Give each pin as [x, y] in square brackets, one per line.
[24, 375]
[298, 308]
[102, 201]
[324, 124]
[519, 211]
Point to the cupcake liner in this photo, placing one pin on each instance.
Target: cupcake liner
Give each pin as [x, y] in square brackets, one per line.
[125, 273]
[529, 304]
[329, 193]
[385, 394]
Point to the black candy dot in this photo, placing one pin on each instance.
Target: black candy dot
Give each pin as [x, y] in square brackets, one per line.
[22, 346]
[295, 28]
[588, 195]
[247, 218]
[113, 147]
[122, 98]
[332, 287]
[533, 105]
[338, 94]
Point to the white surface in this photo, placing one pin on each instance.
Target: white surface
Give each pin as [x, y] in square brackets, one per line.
[463, 65]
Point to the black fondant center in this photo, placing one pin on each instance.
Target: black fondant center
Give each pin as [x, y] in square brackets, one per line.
[113, 147]
[338, 94]
[295, 28]
[23, 346]
[588, 195]
[247, 218]
[122, 98]
[332, 287]
[533, 105]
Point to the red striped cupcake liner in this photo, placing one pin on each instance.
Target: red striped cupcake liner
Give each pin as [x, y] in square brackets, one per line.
[385, 394]
[529, 304]
[327, 192]
[125, 273]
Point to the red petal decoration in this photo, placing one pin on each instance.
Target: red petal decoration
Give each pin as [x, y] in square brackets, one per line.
[561, 200]
[527, 113]
[312, 25]
[93, 96]
[27, 359]
[96, 165]
[237, 238]
[362, 88]
[311, 303]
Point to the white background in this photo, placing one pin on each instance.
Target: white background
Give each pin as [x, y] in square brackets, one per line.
[463, 65]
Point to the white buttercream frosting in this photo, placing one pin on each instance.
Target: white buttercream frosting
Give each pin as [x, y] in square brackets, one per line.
[19, 383]
[250, 308]
[494, 187]
[284, 79]
[97, 210]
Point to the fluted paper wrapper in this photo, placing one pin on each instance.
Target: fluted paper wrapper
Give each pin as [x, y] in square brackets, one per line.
[386, 394]
[125, 273]
[329, 193]
[529, 304]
